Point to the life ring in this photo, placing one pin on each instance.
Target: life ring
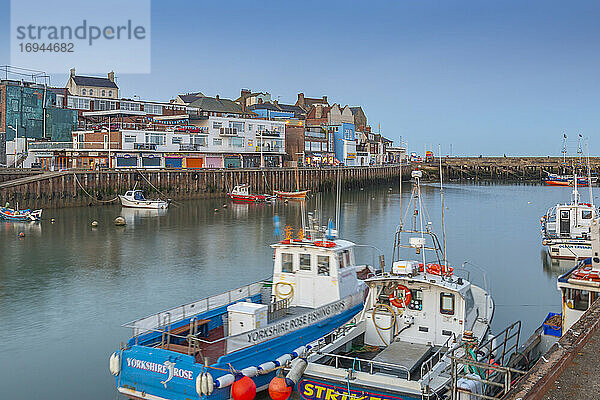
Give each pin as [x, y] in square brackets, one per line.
[405, 297]
[324, 243]
[437, 269]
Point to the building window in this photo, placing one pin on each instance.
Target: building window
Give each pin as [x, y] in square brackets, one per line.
[176, 140]
[91, 92]
[155, 109]
[323, 265]
[83, 92]
[130, 106]
[199, 140]
[103, 92]
[217, 125]
[586, 214]
[447, 303]
[78, 103]
[287, 263]
[110, 93]
[130, 138]
[305, 262]
[217, 142]
[155, 138]
[577, 299]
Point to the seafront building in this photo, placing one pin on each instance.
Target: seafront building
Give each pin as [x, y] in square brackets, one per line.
[88, 125]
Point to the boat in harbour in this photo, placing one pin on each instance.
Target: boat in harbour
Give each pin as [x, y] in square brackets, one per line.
[569, 180]
[11, 214]
[414, 316]
[205, 348]
[135, 199]
[299, 195]
[242, 193]
[566, 228]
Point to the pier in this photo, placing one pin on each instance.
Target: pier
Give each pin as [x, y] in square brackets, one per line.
[79, 188]
[508, 169]
[569, 370]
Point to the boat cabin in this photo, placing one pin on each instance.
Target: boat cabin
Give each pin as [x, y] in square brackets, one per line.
[313, 274]
[137, 195]
[570, 221]
[241, 190]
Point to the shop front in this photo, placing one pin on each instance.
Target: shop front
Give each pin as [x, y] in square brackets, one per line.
[232, 161]
[173, 161]
[194, 162]
[251, 161]
[127, 161]
[214, 162]
[151, 161]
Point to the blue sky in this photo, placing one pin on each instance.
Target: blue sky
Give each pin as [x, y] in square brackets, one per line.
[487, 78]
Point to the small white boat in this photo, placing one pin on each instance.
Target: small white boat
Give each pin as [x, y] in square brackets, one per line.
[136, 199]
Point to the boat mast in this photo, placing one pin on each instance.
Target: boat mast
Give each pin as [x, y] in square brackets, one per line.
[564, 148]
[589, 173]
[442, 200]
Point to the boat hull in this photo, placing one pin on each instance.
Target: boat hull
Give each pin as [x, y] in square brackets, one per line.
[313, 388]
[144, 370]
[569, 249]
[147, 204]
[251, 198]
[11, 215]
[301, 195]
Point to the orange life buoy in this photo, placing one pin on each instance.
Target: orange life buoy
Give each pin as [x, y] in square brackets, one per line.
[405, 297]
[437, 269]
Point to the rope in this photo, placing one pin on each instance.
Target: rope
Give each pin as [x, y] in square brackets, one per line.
[154, 187]
[92, 197]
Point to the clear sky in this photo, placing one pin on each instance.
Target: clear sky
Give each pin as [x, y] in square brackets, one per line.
[487, 77]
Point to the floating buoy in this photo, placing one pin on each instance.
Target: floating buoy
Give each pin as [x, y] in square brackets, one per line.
[285, 201]
[278, 389]
[21, 234]
[362, 188]
[52, 220]
[216, 210]
[224, 205]
[243, 389]
[120, 221]
[95, 223]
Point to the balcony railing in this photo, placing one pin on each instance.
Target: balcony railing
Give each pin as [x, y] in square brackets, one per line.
[228, 131]
[144, 146]
[192, 147]
[50, 145]
[269, 132]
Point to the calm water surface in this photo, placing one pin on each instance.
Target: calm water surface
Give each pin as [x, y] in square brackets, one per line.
[65, 288]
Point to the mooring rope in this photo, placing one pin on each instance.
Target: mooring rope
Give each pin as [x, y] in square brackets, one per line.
[155, 188]
[92, 197]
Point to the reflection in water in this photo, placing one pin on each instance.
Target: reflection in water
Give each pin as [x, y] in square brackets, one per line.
[555, 267]
[66, 288]
[135, 215]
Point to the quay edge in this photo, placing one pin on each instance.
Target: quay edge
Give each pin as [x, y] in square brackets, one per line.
[68, 188]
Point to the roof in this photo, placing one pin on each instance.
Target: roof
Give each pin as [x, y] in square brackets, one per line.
[356, 110]
[217, 105]
[94, 81]
[291, 108]
[190, 97]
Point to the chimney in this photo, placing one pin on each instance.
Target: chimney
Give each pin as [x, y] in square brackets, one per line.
[111, 76]
[245, 93]
[325, 99]
[217, 97]
[72, 71]
[276, 102]
[301, 99]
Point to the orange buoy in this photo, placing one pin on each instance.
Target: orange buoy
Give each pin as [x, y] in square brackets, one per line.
[243, 389]
[278, 389]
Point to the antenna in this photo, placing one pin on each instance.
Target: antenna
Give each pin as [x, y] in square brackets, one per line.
[564, 148]
[337, 200]
[400, 194]
[443, 214]
[589, 173]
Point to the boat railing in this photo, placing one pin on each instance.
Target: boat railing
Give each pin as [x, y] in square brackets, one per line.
[437, 356]
[278, 309]
[376, 254]
[370, 363]
[154, 322]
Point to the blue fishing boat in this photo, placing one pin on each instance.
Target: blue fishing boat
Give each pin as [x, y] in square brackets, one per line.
[231, 344]
[11, 214]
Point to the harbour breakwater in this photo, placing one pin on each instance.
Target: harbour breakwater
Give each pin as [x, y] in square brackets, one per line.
[505, 169]
[36, 189]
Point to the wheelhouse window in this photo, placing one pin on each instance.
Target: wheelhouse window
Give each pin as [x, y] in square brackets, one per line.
[342, 260]
[577, 299]
[287, 263]
[586, 214]
[305, 262]
[447, 303]
[323, 265]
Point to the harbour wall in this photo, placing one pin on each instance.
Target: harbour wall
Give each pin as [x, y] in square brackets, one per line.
[79, 188]
[508, 169]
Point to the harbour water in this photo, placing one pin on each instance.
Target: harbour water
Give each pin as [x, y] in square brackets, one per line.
[66, 288]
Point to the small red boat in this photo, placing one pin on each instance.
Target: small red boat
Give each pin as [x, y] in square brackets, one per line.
[242, 193]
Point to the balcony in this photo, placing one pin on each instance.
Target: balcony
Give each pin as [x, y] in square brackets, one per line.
[192, 147]
[145, 146]
[269, 133]
[228, 131]
[50, 145]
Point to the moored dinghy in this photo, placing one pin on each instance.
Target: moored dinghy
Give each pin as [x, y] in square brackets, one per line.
[136, 199]
[205, 348]
[20, 215]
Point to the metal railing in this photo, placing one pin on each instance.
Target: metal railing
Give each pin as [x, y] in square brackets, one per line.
[278, 309]
[155, 321]
[371, 364]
